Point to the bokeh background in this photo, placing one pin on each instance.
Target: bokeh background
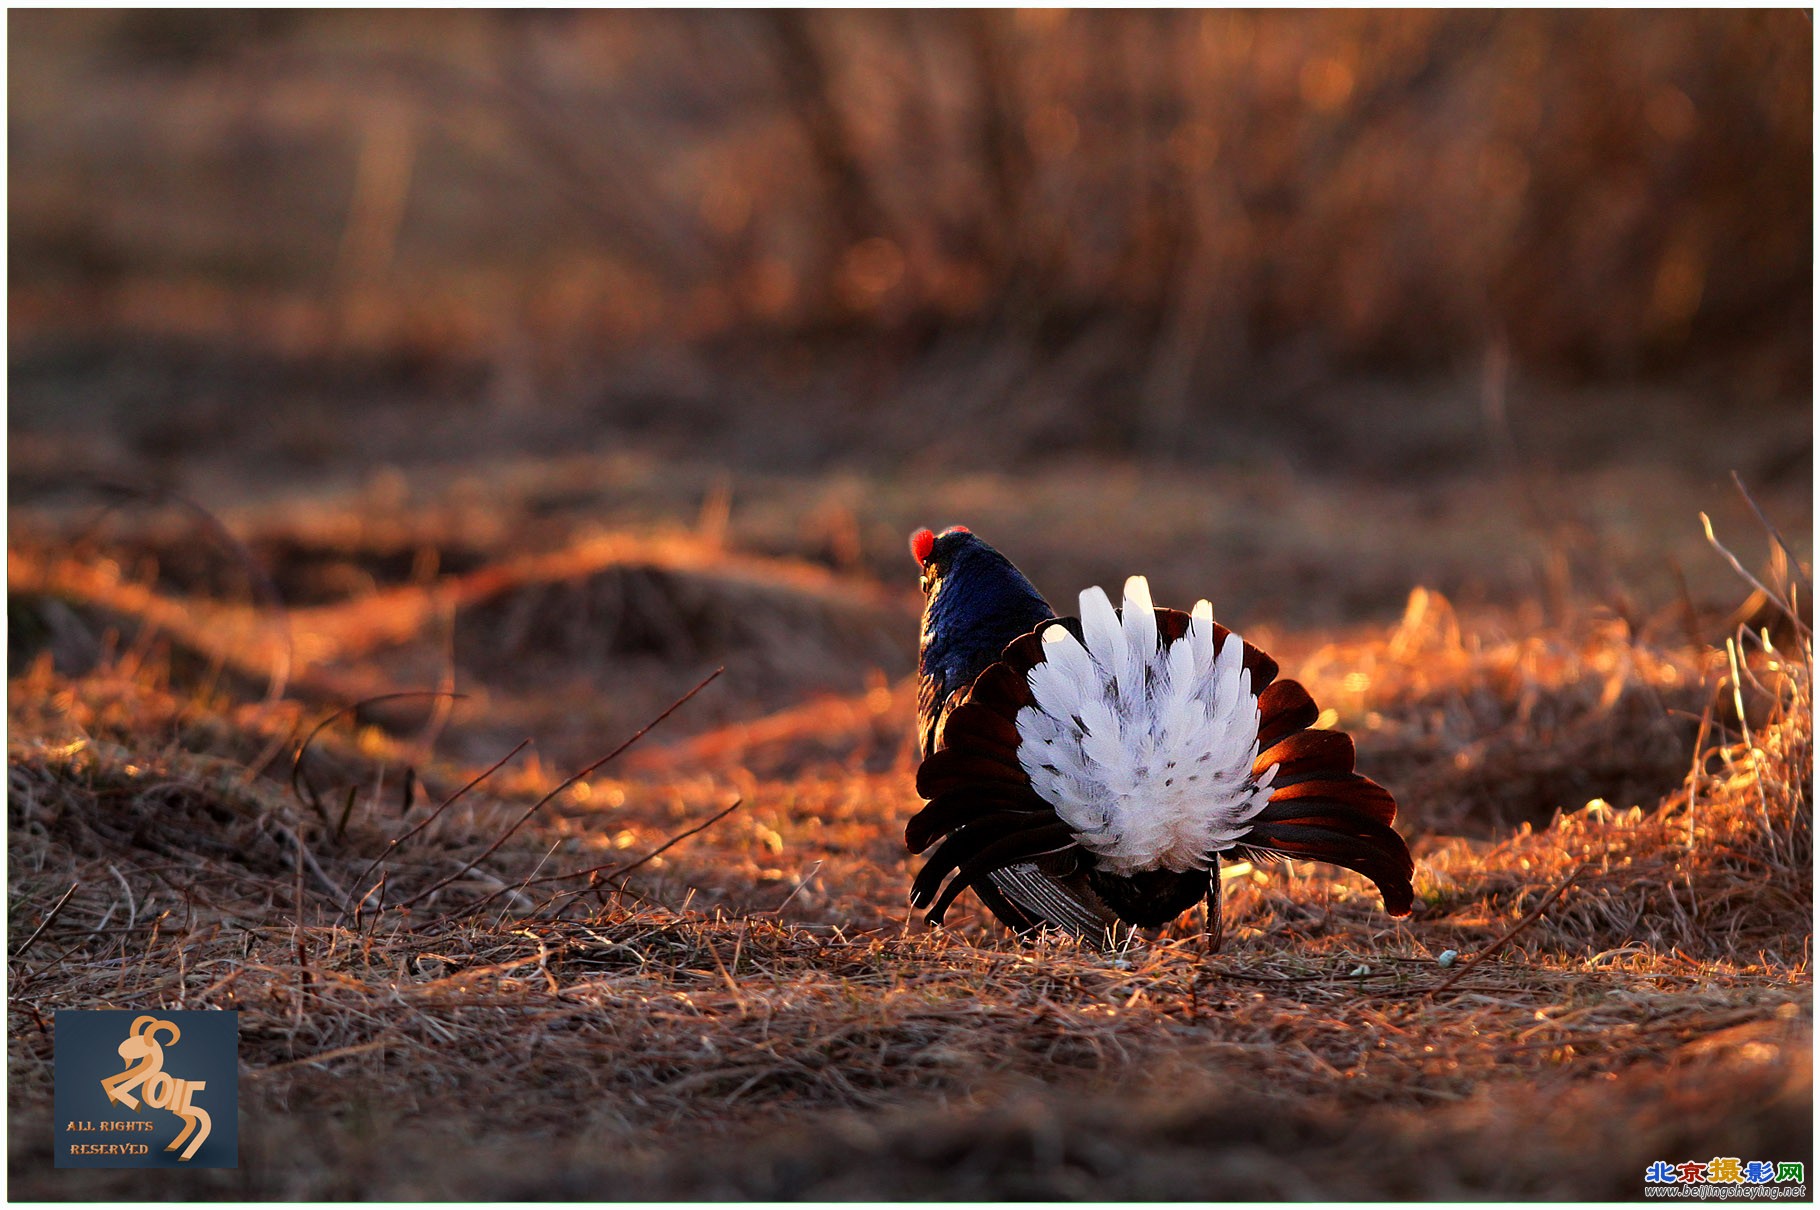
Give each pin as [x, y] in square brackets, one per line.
[327, 240]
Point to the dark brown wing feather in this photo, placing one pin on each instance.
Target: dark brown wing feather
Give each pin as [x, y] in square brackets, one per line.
[1284, 708]
[961, 807]
[958, 769]
[1353, 841]
[1003, 688]
[1319, 809]
[1306, 755]
[976, 727]
[1263, 668]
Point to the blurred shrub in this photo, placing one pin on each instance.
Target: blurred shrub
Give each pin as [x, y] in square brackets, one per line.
[1212, 195]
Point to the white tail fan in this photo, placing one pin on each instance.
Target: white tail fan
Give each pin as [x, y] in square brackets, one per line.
[1144, 750]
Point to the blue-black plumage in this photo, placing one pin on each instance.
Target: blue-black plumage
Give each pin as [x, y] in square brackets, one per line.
[977, 603]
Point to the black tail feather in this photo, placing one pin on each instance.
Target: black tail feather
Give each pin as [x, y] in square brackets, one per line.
[959, 769]
[957, 848]
[961, 808]
[1019, 846]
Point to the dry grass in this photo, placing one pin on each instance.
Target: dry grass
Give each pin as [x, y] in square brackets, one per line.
[751, 1013]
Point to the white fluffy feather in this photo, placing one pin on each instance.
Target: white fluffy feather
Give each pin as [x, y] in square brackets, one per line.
[1145, 752]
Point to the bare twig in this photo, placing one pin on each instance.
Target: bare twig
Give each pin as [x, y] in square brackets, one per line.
[322, 876]
[56, 909]
[392, 846]
[303, 749]
[1498, 945]
[671, 843]
[1775, 598]
[132, 907]
[569, 781]
[610, 870]
[802, 882]
[1794, 560]
[304, 976]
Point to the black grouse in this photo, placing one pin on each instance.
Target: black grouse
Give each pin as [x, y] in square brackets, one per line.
[1083, 772]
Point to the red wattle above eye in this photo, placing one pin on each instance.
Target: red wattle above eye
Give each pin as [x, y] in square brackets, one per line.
[922, 542]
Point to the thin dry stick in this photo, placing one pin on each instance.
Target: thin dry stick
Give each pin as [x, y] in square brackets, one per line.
[612, 869]
[727, 975]
[304, 977]
[1777, 599]
[341, 1052]
[303, 749]
[446, 803]
[445, 707]
[548, 853]
[56, 909]
[804, 881]
[281, 739]
[1496, 946]
[671, 843]
[322, 875]
[571, 780]
[1774, 533]
[132, 908]
[58, 960]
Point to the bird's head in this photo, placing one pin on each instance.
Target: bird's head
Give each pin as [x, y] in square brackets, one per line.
[936, 554]
[976, 598]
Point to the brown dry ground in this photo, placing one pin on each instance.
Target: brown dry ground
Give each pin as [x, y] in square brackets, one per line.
[753, 1012]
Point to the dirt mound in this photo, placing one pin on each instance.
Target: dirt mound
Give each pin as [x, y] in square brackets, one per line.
[526, 632]
[574, 647]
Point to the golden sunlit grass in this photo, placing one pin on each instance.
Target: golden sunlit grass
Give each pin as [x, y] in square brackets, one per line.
[752, 1012]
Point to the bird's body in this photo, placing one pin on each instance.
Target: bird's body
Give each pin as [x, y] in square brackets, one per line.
[985, 604]
[1083, 773]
